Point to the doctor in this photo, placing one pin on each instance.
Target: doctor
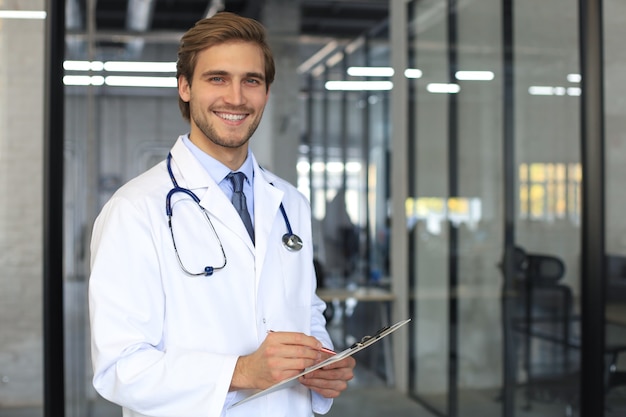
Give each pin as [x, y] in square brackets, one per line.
[187, 320]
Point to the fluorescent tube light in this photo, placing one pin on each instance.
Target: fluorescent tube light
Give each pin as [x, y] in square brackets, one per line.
[382, 72]
[443, 88]
[127, 66]
[370, 71]
[574, 91]
[120, 66]
[547, 90]
[413, 73]
[574, 78]
[358, 85]
[83, 80]
[120, 81]
[474, 75]
[83, 66]
[22, 14]
[540, 90]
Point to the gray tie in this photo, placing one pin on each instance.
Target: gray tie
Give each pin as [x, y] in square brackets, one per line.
[239, 200]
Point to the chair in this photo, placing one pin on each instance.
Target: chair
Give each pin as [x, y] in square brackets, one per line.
[545, 315]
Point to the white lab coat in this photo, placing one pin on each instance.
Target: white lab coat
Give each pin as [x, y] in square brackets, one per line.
[164, 343]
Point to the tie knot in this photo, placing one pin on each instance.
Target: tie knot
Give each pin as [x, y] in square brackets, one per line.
[237, 179]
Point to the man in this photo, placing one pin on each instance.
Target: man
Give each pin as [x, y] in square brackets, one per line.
[188, 320]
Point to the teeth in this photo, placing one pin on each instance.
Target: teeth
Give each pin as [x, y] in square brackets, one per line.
[233, 117]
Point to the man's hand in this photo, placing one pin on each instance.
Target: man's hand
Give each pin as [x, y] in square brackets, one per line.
[280, 356]
[331, 380]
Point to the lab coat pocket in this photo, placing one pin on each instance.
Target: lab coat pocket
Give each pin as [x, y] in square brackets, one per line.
[297, 276]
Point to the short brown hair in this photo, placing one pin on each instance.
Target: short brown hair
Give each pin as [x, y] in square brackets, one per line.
[221, 28]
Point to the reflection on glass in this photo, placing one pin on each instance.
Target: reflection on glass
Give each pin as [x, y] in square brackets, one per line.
[549, 191]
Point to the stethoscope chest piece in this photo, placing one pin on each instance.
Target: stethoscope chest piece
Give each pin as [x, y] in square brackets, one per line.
[292, 242]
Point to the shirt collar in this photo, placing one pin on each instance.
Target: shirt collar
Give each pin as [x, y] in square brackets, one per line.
[217, 170]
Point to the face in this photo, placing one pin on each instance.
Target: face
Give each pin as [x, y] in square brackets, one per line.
[226, 98]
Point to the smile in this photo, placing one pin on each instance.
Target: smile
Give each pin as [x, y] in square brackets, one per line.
[230, 116]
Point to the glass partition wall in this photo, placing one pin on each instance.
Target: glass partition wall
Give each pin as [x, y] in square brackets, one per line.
[495, 209]
[458, 205]
[615, 148]
[345, 171]
[344, 159]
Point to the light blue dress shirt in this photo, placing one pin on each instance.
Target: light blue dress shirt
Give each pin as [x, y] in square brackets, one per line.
[218, 171]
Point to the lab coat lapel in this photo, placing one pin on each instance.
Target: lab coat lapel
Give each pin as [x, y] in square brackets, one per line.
[267, 199]
[193, 176]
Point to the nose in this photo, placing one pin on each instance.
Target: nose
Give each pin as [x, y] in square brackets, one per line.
[234, 95]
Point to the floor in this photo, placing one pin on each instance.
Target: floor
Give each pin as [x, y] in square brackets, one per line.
[369, 396]
[366, 397]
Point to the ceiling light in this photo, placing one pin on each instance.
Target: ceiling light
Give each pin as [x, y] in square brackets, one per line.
[120, 81]
[574, 91]
[474, 75]
[370, 71]
[443, 88]
[83, 65]
[120, 66]
[382, 72]
[547, 90]
[540, 90]
[127, 66]
[413, 73]
[358, 85]
[574, 78]
[83, 80]
[22, 14]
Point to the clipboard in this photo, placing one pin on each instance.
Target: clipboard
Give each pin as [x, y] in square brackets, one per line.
[364, 343]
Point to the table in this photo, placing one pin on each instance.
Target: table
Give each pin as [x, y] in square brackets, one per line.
[365, 294]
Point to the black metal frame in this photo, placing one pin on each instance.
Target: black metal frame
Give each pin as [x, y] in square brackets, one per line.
[509, 377]
[593, 209]
[53, 317]
[453, 231]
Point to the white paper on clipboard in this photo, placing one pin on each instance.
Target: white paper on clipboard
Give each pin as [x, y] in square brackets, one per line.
[364, 343]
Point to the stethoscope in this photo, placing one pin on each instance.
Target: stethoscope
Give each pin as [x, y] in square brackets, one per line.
[291, 241]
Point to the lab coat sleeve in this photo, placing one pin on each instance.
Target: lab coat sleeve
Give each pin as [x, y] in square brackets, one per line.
[320, 404]
[126, 301]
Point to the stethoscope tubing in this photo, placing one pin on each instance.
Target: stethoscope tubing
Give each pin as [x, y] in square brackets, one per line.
[290, 240]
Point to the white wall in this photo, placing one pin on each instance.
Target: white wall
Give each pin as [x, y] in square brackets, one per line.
[21, 215]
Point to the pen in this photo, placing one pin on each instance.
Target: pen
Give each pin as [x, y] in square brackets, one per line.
[322, 349]
[327, 350]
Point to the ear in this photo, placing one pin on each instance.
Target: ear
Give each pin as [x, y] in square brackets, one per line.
[184, 89]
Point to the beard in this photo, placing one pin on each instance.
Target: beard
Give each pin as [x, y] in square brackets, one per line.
[233, 139]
